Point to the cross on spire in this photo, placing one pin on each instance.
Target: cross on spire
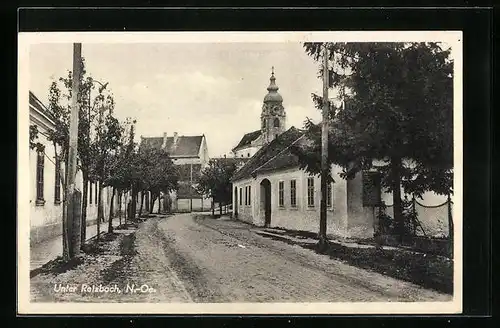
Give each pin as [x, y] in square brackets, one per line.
[272, 70]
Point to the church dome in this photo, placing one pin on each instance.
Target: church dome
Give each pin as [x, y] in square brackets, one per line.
[273, 95]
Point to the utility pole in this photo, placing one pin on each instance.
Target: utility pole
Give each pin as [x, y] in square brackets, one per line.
[72, 225]
[324, 153]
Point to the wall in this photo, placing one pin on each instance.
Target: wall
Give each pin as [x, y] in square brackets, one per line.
[187, 160]
[303, 217]
[243, 152]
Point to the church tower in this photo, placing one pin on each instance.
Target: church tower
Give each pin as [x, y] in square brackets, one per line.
[273, 113]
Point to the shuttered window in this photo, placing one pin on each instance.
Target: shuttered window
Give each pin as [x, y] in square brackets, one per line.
[281, 193]
[293, 193]
[310, 192]
[329, 195]
[39, 175]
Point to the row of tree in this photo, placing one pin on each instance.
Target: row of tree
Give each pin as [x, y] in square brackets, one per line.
[107, 153]
[397, 107]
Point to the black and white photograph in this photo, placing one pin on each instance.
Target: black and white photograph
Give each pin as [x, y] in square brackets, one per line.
[240, 172]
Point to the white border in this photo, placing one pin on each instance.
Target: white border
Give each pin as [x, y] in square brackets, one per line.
[453, 38]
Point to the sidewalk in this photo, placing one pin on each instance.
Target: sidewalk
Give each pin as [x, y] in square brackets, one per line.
[48, 250]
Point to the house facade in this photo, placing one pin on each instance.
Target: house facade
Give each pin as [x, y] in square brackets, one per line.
[46, 192]
[190, 155]
[272, 190]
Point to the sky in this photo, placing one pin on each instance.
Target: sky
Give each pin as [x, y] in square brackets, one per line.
[214, 89]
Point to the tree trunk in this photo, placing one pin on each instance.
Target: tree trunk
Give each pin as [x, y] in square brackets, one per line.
[134, 205]
[100, 212]
[120, 207]
[159, 203]
[142, 203]
[83, 233]
[213, 208]
[127, 207]
[220, 208]
[111, 209]
[396, 196]
[153, 200]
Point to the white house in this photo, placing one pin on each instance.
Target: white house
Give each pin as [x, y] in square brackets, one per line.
[190, 155]
[46, 193]
[271, 189]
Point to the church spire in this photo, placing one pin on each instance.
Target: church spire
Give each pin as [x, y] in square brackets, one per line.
[272, 86]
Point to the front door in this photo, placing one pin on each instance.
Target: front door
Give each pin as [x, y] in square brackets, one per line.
[266, 193]
[235, 202]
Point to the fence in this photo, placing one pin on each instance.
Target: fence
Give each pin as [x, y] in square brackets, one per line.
[427, 221]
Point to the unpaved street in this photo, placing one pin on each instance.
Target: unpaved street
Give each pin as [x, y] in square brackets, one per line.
[195, 258]
[208, 260]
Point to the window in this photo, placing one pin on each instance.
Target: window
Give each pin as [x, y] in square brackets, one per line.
[329, 194]
[248, 154]
[241, 196]
[276, 123]
[39, 176]
[57, 187]
[310, 192]
[249, 195]
[293, 193]
[90, 192]
[281, 194]
[371, 188]
[246, 195]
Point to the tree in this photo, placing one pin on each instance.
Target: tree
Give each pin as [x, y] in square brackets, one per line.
[59, 107]
[215, 180]
[119, 167]
[108, 138]
[156, 173]
[397, 108]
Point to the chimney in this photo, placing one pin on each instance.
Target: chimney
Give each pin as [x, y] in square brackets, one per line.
[175, 138]
[164, 144]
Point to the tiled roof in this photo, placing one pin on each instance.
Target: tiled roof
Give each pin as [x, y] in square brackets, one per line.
[230, 160]
[274, 156]
[187, 146]
[187, 191]
[36, 103]
[247, 139]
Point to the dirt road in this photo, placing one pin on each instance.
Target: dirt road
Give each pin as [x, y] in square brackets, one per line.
[209, 260]
[195, 258]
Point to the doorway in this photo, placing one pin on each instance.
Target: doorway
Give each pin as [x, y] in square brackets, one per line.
[265, 194]
[235, 202]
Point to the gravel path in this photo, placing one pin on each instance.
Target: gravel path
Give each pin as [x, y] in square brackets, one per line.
[194, 258]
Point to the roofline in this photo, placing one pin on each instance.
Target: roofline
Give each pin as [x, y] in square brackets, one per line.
[39, 111]
[253, 172]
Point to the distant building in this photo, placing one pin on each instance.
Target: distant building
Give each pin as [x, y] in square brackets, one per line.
[272, 190]
[46, 193]
[190, 155]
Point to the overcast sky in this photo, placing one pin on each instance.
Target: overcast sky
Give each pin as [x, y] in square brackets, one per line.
[214, 89]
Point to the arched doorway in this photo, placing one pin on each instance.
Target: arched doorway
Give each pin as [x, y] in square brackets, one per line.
[265, 201]
[235, 202]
